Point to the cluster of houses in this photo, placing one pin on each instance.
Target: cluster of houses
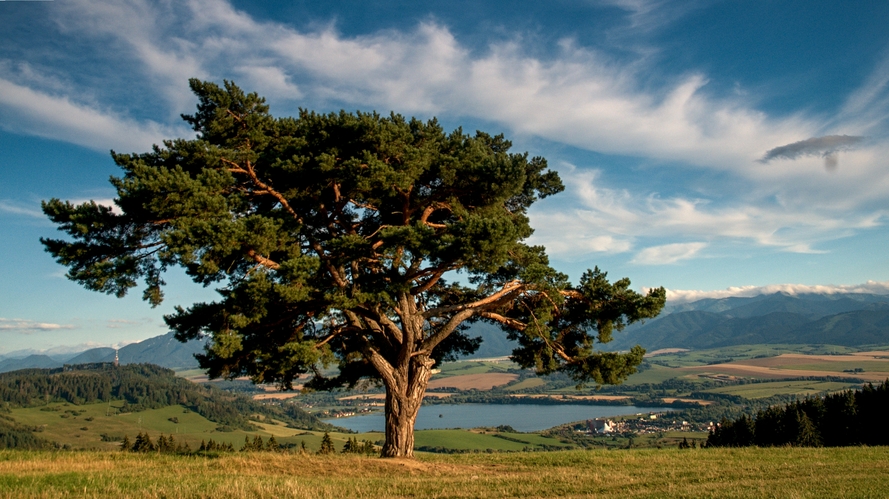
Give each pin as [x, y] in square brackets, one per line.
[643, 423]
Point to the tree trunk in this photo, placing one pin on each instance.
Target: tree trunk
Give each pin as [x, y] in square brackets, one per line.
[403, 401]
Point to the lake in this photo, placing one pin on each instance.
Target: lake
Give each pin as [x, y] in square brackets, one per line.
[522, 417]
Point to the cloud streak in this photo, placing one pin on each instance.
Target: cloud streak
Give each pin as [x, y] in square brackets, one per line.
[24, 326]
[58, 117]
[668, 253]
[617, 220]
[826, 147]
[676, 296]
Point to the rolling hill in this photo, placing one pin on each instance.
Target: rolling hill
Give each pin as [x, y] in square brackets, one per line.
[846, 320]
[133, 389]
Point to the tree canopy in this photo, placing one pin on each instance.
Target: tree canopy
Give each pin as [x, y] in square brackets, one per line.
[358, 240]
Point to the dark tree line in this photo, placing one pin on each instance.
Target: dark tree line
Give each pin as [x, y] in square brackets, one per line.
[846, 418]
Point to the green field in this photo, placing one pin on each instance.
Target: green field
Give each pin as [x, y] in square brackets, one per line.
[741, 352]
[730, 473]
[764, 390]
[830, 366]
[526, 383]
[82, 427]
[473, 367]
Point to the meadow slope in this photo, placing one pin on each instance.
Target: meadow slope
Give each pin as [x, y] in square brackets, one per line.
[739, 473]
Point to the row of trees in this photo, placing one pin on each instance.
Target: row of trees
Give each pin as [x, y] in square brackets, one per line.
[840, 419]
[169, 445]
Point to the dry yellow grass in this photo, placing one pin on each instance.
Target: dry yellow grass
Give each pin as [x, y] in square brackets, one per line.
[742, 473]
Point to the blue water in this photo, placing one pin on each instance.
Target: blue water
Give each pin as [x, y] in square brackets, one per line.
[522, 417]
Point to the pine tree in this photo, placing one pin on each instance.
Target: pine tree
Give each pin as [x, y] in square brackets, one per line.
[125, 445]
[326, 444]
[143, 443]
[272, 444]
[345, 226]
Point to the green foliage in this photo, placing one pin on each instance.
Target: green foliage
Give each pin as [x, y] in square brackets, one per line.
[839, 419]
[14, 435]
[353, 446]
[318, 225]
[330, 236]
[326, 445]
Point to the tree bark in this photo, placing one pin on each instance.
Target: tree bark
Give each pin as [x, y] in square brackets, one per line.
[403, 400]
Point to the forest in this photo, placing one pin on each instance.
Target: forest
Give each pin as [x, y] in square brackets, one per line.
[851, 417]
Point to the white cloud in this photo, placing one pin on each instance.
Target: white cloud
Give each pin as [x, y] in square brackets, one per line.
[25, 326]
[579, 96]
[598, 211]
[30, 111]
[16, 209]
[675, 296]
[668, 253]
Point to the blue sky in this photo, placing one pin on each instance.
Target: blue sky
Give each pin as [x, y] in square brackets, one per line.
[712, 147]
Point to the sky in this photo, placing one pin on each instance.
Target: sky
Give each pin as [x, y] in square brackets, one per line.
[716, 148]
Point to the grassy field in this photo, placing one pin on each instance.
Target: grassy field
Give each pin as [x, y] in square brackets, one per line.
[768, 389]
[81, 427]
[731, 473]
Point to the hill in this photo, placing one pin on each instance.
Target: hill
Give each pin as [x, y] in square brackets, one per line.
[139, 387]
[846, 320]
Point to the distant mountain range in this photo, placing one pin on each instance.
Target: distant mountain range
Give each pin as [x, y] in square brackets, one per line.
[849, 320]
[164, 351]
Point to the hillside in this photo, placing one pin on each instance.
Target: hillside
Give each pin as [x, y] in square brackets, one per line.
[138, 388]
[847, 320]
[669, 472]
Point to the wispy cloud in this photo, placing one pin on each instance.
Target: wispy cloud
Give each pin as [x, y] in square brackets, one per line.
[668, 253]
[623, 219]
[16, 209]
[58, 117]
[675, 296]
[123, 324]
[826, 147]
[577, 96]
[25, 326]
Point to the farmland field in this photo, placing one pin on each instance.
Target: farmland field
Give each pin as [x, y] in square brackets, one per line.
[481, 381]
[732, 473]
[768, 389]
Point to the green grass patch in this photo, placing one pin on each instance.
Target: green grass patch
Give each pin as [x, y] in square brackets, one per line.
[653, 375]
[840, 366]
[731, 473]
[473, 367]
[741, 352]
[526, 383]
[764, 390]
